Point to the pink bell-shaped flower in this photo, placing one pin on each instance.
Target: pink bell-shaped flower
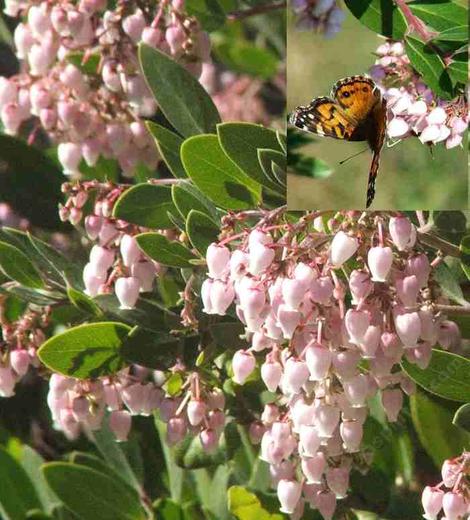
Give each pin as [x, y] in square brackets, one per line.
[379, 260]
[243, 364]
[343, 246]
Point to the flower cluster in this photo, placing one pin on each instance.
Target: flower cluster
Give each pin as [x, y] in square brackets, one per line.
[81, 405]
[19, 342]
[116, 263]
[324, 16]
[414, 110]
[330, 308]
[455, 502]
[81, 79]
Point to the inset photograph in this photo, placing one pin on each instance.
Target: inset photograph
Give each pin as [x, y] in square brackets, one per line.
[377, 108]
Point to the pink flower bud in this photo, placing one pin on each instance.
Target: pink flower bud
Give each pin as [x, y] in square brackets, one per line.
[357, 323]
[39, 20]
[450, 473]
[327, 419]
[321, 290]
[196, 411]
[454, 506]
[295, 375]
[19, 360]
[221, 296]
[392, 402]
[351, 432]
[7, 382]
[418, 108]
[288, 320]
[309, 440]
[8, 92]
[357, 390]
[345, 363]
[70, 155]
[338, 481]
[91, 150]
[408, 327]
[92, 280]
[145, 273]
[209, 440]
[217, 258]
[342, 248]
[24, 40]
[318, 360]
[304, 273]
[133, 25]
[449, 336]
[151, 36]
[437, 116]
[252, 301]
[407, 290]
[120, 424]
[288, 493]
[326, 504]
[370, 342]
[256, 432]
[93, 225]
[39, 57]
[400, 231]
[397, 127]
[243, 364]
[360, 285]
[260, 258]
[130, 251]
[270, 413]
[271, 372]
[432, 502]
[313, 467]
[238, 264]
[380, 261]
[127, 291]
[176, 430]
[293, 292]
[11, 118]
[101, 258]
[391, 345]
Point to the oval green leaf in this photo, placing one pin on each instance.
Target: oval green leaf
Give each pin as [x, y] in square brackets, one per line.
[187, 197]
[432, 419]
[17, 266]
[457, 33]
[182, 99]
[86, 351]
[381, 16]
[164, 251]
[169, 145]
[449, 284]
[17, 493]
[429, 64]
[201, 230]
[86, 491]
[446, 376]
[209, 13]
[146, 205]
[217, 176]
[439, 15]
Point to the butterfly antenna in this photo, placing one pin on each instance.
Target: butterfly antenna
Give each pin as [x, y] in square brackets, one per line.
[352, 156]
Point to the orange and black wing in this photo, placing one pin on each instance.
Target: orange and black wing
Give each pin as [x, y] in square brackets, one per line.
[357, 96]
[324, 117]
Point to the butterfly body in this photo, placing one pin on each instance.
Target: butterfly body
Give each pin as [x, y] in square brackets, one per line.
[355, 111]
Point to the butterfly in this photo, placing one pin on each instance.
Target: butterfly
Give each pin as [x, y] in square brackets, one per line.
[355, 111]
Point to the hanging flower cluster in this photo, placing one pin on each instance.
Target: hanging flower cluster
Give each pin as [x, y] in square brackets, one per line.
[19, 342]
[455, 501]
[81, 79]
[116, 263]
[330, 309]
[414, 110]
[324, 16]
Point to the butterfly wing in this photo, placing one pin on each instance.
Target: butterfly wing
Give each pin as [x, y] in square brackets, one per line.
[324, 117]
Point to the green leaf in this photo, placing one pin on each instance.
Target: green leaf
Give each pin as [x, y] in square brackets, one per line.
[217, 176]
[187, 197]
[241, 141]
[182, 99]
[447, 282]
[297, 139]
[458, 67]
[86, 351]
[381, 16]
[37, 296]
[446, 375]
[105, 169]
[17, 266]
[429, 64]
[462, 417]
[432, 419]
[189, 453]
[465, 255]
[90, 66]
[86, 491]
[309, 166]
[227, 334]
[169, 146]
[17, 493]
[146, 205]
[201, 230]
[83, 302]
[164, 251]
[247, 506]
[173, 384]
[457, 33]
[5, 34]
[30, 182]
[273, 164]
[209, 13]
[440, 15]
[244, 57]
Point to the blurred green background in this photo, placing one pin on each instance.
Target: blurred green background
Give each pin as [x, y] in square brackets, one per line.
[409, 177]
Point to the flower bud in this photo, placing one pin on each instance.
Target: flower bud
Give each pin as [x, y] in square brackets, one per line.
[326, 504]
[309, 440]
[7, 382]
[70, 155]
[392, 402]
[222, 295]
[295, 375]
[101, 258]
[370, 342]
[243, 364]
[293, 292]
[454, 506]
[357, 323]
[288, 493]
[19, 361]
[209, 440]
[321, 290]
[120, 424]
[432, 502]
[288, 320]
[419, 266]
[357, 390]
[260, 258]
[450, 473]
[380, 261]
[175, 430]
[145, 273]
[408, 327]
[318, 360]
[127, 291]
[400, 231]
[271, 372]
[351, 432]
[342, 248]
[327, 419]
[217, 258]
[338, 481]
[313, 467]
[360, 285]
[133, 25]
[407, 290]
[92, 280]
[196, 411]
[130, 251]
